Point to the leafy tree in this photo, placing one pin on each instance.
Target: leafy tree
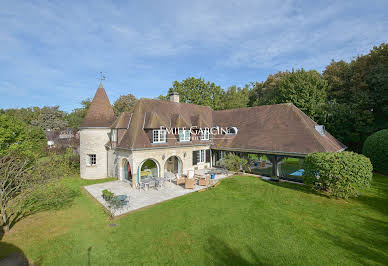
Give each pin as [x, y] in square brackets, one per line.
[305, 89]
[29, 186]
[51, 117]
[198, 91]
[75, 118]
[359, 91]
[27, 115]
[235, 97]
[347, 124]
[263, 93]
[124, 103]
[20, 137]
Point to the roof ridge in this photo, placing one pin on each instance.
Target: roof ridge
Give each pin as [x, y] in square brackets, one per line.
[251, 107]
[298, 113]
[169, 102]
[136, 113]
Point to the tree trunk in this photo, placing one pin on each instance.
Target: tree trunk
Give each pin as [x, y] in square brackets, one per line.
[5, 219]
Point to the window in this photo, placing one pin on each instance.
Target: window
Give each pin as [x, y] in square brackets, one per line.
[159, 136]
[92, 159]
[232, 130]
[184, 135]
[114, 135]
[201, 156]
[205, 134]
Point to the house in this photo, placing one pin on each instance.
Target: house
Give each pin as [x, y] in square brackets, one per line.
[63, 139]
[158, 136]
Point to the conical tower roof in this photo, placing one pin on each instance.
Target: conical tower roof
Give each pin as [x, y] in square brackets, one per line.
[100, 113]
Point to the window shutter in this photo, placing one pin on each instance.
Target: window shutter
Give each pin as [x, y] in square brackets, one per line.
[208, 156]
[195, 157]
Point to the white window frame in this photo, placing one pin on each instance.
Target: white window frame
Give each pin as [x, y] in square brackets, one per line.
[159, 136]
[114, 135]
[205, 135]
[92, 159]
[184, 135]
[201, 156]
[229, 131]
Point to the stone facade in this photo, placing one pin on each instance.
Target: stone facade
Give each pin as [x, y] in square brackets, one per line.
[159, 155]
[92, 141]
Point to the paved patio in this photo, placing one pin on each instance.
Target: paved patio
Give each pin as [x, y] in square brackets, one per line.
[140, 198]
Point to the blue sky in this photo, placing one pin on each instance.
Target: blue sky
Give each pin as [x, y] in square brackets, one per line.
[52, 51]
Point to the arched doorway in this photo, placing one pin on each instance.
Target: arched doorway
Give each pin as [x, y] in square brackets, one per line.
[127, 171]
[174, 165]
[147, 168]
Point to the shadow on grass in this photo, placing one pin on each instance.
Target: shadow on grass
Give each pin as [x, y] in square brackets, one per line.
[368, 245]
[297, 187]
[220, 253]
[377, 198]
[11, 255]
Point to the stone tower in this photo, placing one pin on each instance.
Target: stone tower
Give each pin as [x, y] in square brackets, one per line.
[94, 134]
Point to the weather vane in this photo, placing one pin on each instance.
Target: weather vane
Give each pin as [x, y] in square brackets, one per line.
[102, 76]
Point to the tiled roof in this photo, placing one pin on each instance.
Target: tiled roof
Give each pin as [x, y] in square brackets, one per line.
[100, 113]
[279, 128]
[150, 114]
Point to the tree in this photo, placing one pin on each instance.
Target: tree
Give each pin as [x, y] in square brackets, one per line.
[14, 179]
[20, 137]
[305, 89]
[361, 88]
[198, 91]
[263, 93]
[27, 186]
[51, 118]
[124, 104]
[235, 97]
[75, 118]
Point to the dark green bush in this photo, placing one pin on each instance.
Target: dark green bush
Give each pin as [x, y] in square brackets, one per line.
[339, 174]
[376, 149]
[107, 195]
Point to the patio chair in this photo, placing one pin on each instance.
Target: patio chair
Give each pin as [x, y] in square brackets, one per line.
[204, 181]
[180, 180]
[190, 183]
[140, 185]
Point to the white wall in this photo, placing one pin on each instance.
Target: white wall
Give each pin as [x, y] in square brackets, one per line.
[92, 141]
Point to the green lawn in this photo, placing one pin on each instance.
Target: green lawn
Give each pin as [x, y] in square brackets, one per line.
[244, 220]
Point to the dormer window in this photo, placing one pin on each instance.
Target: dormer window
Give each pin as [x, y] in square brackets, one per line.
[184, 135]
[205, 135]
[320, 129]
[159, 136]
[114, 135]
[232, 131]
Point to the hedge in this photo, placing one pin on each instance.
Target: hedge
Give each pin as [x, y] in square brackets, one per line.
[338, 174]
[376, 149]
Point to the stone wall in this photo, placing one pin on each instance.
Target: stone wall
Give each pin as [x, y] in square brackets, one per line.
[92, 141]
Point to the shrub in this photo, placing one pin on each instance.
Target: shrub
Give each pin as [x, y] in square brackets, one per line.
[339, 174]
[107, 195]
[232, 162]
[376, 149]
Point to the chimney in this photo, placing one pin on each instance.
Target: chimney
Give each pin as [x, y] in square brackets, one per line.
[174, 97]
